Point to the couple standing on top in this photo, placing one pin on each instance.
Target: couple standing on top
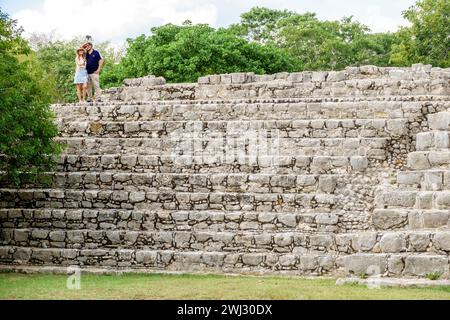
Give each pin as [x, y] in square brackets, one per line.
[89, 64]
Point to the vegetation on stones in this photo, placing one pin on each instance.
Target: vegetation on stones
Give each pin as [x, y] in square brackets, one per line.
[433, 275]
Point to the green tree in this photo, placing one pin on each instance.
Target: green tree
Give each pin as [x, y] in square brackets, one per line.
[261, 24]
[427, 40]
[184, 53]
[26, 138]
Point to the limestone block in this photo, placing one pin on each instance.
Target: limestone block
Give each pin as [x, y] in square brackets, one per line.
[288, 260]
[283, 240]
[308, 262]
[215, 259]
[409, 178]
[327, 218]
[327, 183]
[419, 241]
[436, 219]
[433, 180]
[334, 76]
[136, 197]
[263, 239]
[252, 259]
[319, 76]
[321, 240]
[441, 241]
[289, 220]
[439, 121]
[20, 235]
[58, 236]
[146, 257]
[120, 196]
[424, 264]
[365, 241]
[396, 264]
[384, 219]
[22, 255]
[363, 263]
[393, 242]
[443, 200]
[359, 163]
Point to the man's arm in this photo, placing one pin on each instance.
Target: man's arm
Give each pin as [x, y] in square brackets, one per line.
[100, 65]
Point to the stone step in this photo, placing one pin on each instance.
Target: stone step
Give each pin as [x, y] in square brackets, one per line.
[266, 109]
[413, 199]
[234, 147]
[121, 199]
[307, 263]
[197, 164]
[420, 160]
[433, 140]
[280, 88]
[439, 121]
[172, 220]
[412, 219]
[318, 128]
[430, 241]
[425, 180]
[193, 182]
[405, 264]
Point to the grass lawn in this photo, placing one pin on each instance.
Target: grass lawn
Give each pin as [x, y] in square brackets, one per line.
[157, 286]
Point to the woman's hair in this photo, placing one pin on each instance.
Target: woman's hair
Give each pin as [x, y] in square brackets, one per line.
[78, 50]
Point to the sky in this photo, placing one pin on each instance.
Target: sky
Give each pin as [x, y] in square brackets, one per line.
[117, 20]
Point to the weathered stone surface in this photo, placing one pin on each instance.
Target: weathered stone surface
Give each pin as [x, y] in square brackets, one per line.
[384, 219]
[442, 241]
[393, 242]
[425, 264]
[364, 263]
[146, 257]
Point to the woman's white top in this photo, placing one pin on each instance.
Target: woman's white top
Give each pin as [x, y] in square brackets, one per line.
[80, 62]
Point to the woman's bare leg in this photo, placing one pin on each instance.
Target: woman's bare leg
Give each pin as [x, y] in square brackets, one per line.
[84, 91]
[79, 92]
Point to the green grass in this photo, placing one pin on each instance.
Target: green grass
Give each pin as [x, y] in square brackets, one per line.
[157, 286]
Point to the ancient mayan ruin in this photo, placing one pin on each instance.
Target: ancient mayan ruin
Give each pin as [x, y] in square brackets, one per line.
[312, 173]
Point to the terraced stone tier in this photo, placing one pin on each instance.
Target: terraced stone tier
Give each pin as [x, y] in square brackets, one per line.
[243, 241]
[94, 198]
[372, 147]
[406, 264]
[250, 109]
[196, 164]
[169, 220]
[197, 182]
[318, 128]
[349, 82]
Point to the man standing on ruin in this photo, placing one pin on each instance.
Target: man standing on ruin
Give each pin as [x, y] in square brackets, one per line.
[94, 64]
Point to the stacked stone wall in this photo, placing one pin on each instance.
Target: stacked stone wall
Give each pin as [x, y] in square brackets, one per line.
[306, 173]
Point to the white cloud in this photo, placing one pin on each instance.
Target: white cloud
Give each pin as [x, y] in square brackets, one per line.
[112, 19]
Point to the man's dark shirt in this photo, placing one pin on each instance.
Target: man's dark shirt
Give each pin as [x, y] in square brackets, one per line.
[92, 61]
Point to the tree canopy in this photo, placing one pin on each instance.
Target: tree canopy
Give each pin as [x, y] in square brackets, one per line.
[427, 40]
[26, 145]
[184, 53]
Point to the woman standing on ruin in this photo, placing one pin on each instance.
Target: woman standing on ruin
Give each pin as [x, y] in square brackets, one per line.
[81, 75]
